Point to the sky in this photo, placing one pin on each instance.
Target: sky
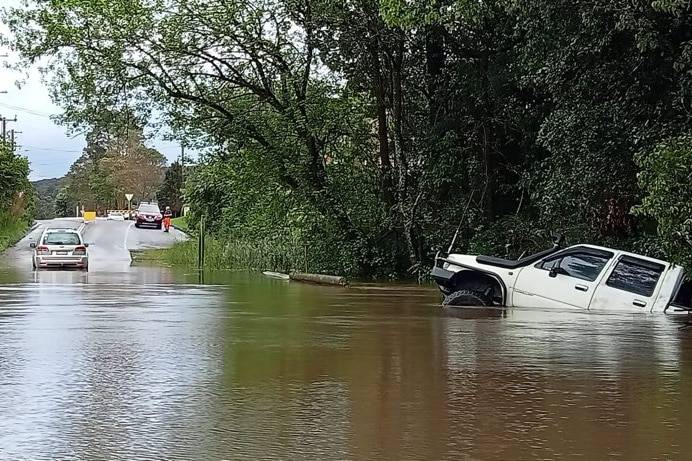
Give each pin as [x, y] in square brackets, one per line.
[47, 145]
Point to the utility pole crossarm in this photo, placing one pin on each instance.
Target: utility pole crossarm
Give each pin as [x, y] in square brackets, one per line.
[4, 126]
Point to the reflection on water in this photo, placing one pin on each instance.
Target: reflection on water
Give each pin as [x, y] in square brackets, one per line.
[148, 364]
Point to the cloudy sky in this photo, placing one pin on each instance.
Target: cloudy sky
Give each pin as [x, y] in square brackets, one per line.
[49, 149]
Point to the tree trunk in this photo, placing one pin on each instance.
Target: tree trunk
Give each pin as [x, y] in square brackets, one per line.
[434, 64]
[380, 93]
[406, 210]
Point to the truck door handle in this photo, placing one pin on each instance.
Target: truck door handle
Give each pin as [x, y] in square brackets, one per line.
[639, 303]
[581, 287]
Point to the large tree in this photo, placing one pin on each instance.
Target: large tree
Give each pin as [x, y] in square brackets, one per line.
[170, 192]
[115, 162]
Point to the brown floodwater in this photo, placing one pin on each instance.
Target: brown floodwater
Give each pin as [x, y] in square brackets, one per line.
[149, 364]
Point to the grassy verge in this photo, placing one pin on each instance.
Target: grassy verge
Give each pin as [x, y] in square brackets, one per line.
[223, 255]
[11, 230]
[180, 223]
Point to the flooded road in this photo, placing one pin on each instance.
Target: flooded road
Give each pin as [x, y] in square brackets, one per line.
[144, 363]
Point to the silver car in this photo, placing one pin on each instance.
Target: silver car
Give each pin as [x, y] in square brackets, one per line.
[60, 248]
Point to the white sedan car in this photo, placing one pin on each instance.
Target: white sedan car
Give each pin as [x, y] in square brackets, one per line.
[60, 248]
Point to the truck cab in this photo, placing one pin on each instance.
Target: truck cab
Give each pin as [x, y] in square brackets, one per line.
[580, 276]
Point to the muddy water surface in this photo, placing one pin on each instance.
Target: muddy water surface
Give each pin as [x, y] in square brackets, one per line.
[146, 363]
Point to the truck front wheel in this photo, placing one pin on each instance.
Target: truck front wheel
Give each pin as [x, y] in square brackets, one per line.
[466, 297]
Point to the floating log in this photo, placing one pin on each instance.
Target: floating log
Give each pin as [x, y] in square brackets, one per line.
[322, 279]
[276, 275]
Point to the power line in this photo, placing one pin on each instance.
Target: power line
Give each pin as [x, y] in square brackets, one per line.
[26, 110]
[73, 151]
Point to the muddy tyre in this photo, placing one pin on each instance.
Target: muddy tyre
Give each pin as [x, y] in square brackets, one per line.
[467, 298]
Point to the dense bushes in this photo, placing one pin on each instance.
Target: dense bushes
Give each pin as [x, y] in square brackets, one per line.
[666, 179]
[17, 204]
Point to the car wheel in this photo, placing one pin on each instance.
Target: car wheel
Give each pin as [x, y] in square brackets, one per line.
[466, 297]
[137, 225]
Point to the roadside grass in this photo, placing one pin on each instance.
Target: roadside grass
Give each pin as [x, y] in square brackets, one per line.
[180, 223]
[12, 230]
[238, 255]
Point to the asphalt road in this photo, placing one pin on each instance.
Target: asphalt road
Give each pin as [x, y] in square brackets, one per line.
[110, 243]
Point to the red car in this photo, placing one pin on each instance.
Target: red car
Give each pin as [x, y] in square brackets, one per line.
[148, 214]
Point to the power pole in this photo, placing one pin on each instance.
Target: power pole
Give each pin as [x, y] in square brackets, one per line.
[4, 126]
[12, 140]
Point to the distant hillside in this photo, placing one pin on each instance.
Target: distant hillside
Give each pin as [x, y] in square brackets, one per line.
[46, 191]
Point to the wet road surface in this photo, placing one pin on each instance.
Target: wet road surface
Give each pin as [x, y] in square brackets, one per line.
[144, 363]
[110, 243]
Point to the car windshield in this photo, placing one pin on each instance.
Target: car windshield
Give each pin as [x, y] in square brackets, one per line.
[149, 208]
[61, 238]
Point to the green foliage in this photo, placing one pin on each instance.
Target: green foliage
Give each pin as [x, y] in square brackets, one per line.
[63, 204]
[666, 180]
[14, 171]
[12, 229]
[115, 162]
[366, 131]
[170, 192]
[17, 195]
[180, 223]
[46, 193]
[409, 14]
[257, 255]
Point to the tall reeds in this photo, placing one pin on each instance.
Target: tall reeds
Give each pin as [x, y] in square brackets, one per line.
[266, 254]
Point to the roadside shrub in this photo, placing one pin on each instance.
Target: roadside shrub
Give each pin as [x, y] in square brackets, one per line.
[12, 229]
[665, 177]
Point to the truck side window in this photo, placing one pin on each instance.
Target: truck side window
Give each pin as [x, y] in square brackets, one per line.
[583, 266]
[635, 275]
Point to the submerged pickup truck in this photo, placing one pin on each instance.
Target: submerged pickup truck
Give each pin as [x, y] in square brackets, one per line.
[579, 276]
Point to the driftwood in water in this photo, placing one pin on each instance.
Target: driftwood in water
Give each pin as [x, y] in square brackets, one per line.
[276, 275]
[319, 278]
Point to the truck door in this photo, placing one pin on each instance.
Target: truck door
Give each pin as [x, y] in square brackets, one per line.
[566, 279]
[631, 285]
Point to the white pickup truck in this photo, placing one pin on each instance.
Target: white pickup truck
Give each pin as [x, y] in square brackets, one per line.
[580, 276]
